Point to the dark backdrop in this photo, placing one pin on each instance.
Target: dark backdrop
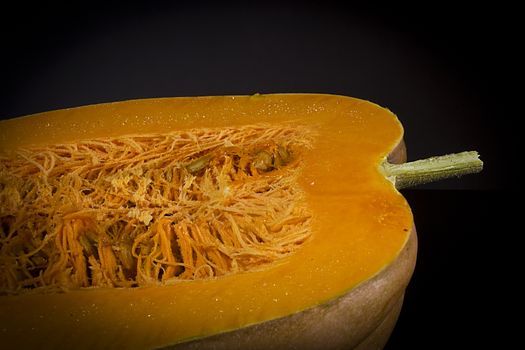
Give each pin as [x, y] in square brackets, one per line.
[450, 73]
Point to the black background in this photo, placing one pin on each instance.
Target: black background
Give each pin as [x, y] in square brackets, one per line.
[450, 73]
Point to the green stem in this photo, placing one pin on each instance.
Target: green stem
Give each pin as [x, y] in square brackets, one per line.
[433, 169]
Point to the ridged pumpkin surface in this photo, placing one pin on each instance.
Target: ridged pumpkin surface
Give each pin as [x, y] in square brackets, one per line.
[359, 223]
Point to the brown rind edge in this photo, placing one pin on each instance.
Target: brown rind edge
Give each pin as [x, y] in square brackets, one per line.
[361, 319]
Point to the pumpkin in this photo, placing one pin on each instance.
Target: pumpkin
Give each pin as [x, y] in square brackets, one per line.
[265, 221]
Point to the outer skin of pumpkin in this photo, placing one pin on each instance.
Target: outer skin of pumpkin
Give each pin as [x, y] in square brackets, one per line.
[342, 289]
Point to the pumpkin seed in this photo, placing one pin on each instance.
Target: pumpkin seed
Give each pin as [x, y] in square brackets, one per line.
[198, 164]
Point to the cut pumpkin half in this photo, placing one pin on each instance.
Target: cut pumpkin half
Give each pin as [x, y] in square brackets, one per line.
[262, 221]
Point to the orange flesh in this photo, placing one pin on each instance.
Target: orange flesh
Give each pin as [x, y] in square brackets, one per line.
[360, 224]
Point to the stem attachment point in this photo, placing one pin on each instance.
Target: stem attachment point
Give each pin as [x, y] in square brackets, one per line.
[432, 169]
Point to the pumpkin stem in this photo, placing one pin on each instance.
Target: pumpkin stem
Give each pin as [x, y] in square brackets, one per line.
[433, 169]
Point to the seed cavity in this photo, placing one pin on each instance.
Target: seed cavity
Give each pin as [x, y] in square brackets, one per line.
[151, 209]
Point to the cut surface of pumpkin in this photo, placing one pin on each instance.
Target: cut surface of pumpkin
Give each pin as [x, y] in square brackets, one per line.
[150, 223]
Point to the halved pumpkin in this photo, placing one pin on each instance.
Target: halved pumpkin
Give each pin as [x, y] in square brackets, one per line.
[340, 285]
